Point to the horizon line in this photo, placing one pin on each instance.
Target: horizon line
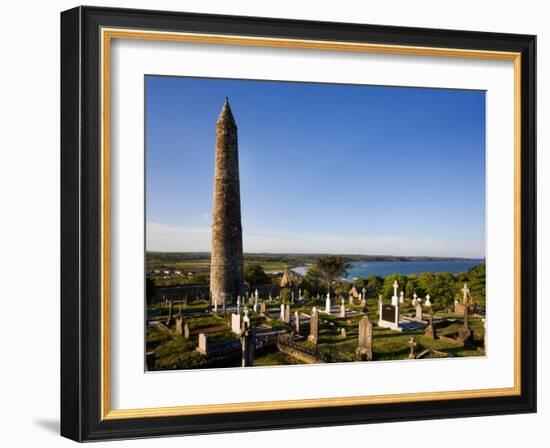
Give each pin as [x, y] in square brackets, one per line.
[322, 253]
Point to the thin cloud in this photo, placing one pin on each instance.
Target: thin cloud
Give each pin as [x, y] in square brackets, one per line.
[162, 237]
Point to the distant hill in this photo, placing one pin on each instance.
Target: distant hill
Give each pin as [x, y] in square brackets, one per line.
[290, 258]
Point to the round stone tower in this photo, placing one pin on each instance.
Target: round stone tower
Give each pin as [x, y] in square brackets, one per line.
[226, 269]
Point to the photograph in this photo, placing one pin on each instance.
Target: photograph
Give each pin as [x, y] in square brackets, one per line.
[340, 207]
[306, 223]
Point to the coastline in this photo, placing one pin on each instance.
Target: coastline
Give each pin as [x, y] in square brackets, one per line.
[409, 267]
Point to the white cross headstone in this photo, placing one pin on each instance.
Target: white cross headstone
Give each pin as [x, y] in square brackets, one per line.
[246, 319]
[395, 299]
[465, 292]
[427, 302]
[402, 297]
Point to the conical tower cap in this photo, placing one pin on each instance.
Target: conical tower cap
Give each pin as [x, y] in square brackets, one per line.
[226, 116]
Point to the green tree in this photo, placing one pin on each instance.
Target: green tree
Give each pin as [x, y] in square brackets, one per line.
[411, 286]
[255, 275]
[331, 268]
[313, 281]
[387, 288]
[441, 287]
[475, 278]
[374, 286]
[285, 295]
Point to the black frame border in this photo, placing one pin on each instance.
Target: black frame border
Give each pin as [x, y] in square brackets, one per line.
[81, 224]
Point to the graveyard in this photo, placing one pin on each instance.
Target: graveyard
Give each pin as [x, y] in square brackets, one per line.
[220, 308]
[190, 333]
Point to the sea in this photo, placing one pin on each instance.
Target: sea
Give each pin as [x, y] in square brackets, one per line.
[365, 269]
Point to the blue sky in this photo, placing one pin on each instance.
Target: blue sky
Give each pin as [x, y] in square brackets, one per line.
[325, 168]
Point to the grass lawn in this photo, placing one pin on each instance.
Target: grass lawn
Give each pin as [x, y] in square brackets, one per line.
[387, 344]
[275, 359]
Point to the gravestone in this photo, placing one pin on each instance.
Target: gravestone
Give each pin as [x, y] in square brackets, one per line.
[343, 333]
[287, 314]
[459, 306]
[170, 306]
[364, 346]
[388, 316]
[418, 316]
[395, 298]
[412, 347]
[414, 301]
[465, 335]
[342, 310]
[246, 318]
[402, 298]
[314, 326]
[364, 291]
[465, 291]
[327, 304]
[428, 302]
[179, 328]
[238, 304]
[248, 345]
[388, 313]
[283, 312]
[236, 323]
[186, 331]
[297, 322]
[262, 308]
[430, 329]
[203, 344]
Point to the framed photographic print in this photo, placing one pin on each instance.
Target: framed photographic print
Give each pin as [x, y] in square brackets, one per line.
[273, 223]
